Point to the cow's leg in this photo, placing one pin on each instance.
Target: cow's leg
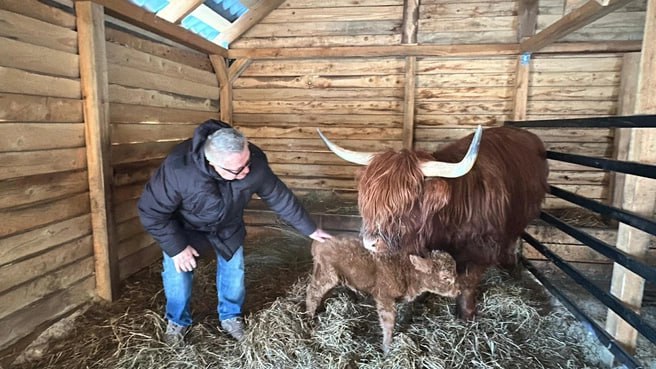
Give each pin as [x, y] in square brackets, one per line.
[468, 281]
[324, 278]
[387, 317]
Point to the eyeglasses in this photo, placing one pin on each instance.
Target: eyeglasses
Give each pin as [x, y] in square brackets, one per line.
[237, 171]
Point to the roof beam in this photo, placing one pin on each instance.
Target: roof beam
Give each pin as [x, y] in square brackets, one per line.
[246, 21]
[140, 17]
[175, 11]
[574, 20]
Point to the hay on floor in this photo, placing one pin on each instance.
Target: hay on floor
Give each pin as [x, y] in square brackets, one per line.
[515, 328]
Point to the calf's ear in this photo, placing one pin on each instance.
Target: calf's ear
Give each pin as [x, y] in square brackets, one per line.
[421, 264]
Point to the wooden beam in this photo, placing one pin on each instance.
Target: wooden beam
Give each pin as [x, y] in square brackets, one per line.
[175, 11]
[578, 18]
[131, 13]
[639, 194]
[246, 21]
[592, 47]
[95, 92]
[237, 68]
[409, 102]
[225, 95]
[520, 100]
[527, 15]
[410, 20]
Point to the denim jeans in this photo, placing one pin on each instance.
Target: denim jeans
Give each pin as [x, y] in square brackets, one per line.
[229, 284]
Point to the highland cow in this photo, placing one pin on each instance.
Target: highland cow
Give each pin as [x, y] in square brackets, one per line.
[412, 202]
[388, 279]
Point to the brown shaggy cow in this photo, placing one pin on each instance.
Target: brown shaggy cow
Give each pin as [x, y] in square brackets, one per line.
[476, 214]
[388, 279]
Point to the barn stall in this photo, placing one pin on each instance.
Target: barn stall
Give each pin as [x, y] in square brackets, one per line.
[95, 94]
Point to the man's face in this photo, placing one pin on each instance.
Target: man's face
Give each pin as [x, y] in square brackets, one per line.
[234, 166]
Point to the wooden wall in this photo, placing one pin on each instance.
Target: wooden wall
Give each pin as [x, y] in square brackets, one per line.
[158, 95]
[46, 261]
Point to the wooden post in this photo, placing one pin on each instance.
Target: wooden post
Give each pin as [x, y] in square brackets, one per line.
[520, 99]
[95, 92]
[410, 20]
[225, 86]
[409, 102]
[639, 195]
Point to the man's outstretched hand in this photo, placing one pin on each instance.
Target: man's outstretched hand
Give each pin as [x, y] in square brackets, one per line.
[185, 261]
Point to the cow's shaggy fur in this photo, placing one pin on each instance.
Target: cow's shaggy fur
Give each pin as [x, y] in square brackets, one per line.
[388, 279]
[477, 218]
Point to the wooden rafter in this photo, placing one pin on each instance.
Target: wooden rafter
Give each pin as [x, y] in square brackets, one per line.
[125, 10]
[237, 68]
[248, 20]
[576, 19]
[175, 11]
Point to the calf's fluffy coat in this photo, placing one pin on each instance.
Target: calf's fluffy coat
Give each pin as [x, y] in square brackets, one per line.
[343, 259]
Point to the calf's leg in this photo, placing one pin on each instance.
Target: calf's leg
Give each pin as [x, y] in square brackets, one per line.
[468, 280]
[324, 278]
[387, 317]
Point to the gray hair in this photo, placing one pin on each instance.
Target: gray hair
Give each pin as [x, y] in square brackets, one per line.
[224, 141]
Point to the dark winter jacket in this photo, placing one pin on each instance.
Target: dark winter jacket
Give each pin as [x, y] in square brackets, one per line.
[186, 198]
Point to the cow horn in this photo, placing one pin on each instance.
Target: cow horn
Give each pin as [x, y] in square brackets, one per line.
[362, 158]
[454, 170]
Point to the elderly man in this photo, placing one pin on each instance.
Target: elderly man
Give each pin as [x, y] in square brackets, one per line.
[194, 204]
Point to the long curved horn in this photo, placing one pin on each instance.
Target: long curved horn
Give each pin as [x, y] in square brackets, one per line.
[362, 158]
[454, 170]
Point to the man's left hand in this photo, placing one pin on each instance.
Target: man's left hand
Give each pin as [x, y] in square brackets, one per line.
[320, 235]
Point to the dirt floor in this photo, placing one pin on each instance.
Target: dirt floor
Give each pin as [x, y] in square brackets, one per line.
[519, 325]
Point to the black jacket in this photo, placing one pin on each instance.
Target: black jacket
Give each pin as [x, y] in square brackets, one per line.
[186, 198]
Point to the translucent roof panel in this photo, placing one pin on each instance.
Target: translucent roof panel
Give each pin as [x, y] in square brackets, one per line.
[152, 6]
[199, 27]
[228, 9]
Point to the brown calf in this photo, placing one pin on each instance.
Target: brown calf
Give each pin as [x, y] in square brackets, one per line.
[387, 278]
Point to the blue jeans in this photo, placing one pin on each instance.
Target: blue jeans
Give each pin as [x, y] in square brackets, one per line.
[229, 284]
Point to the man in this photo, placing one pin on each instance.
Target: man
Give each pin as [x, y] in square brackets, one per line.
[194, 204]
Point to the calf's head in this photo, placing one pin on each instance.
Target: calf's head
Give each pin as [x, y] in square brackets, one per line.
[436, 274]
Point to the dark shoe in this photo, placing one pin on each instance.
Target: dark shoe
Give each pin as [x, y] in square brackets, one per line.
[234, 327]
[174, 334]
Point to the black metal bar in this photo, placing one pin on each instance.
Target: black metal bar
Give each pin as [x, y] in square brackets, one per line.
[609, 300]
[607, 340]
[629, 121]
[628, 167]
[624, 216]
[646, 271]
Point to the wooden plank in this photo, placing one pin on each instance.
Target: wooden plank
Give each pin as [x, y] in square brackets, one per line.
[93, 77]
[527, 13]
[329, 67]
[590, 108]
[130, 57]
[225, 93]
[188, 57]
[369, 51]
[33, 189]
[296, 4]
[132, 77]
[360, 13]
[586, 14]
[237, 68]
[245, 22]
[466, 65]
[149, 21]
[128, 113]
[37, 317]
[28, 108]
[154, 98]
[126, 210]
[127, 192]
[471, 37]
[28, 163]
[563, 93]
[460, 120]
[639, 195]
[129, 228]
[409, 102]
[314, 41]
[568, 79]
[134, 244]
[469, 24]
[139, 260]
[43, 238]
[462, 82]
[37, 10]
[520, 97]
[320, 82]
[451, 107]
[22, 82]
[470, 10]
[310, 132]
[338, 120]
[136, 172]
[271, 144]
[175, 11]
[32, 31]
[328, 106]
[325, 29]
[134, 133]
[464, 94]
[410, 20]
[122, 154]
[56, 257]
[44, 285]
[39, 136]
[546, 134]
[318, 93]
[30, 58]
